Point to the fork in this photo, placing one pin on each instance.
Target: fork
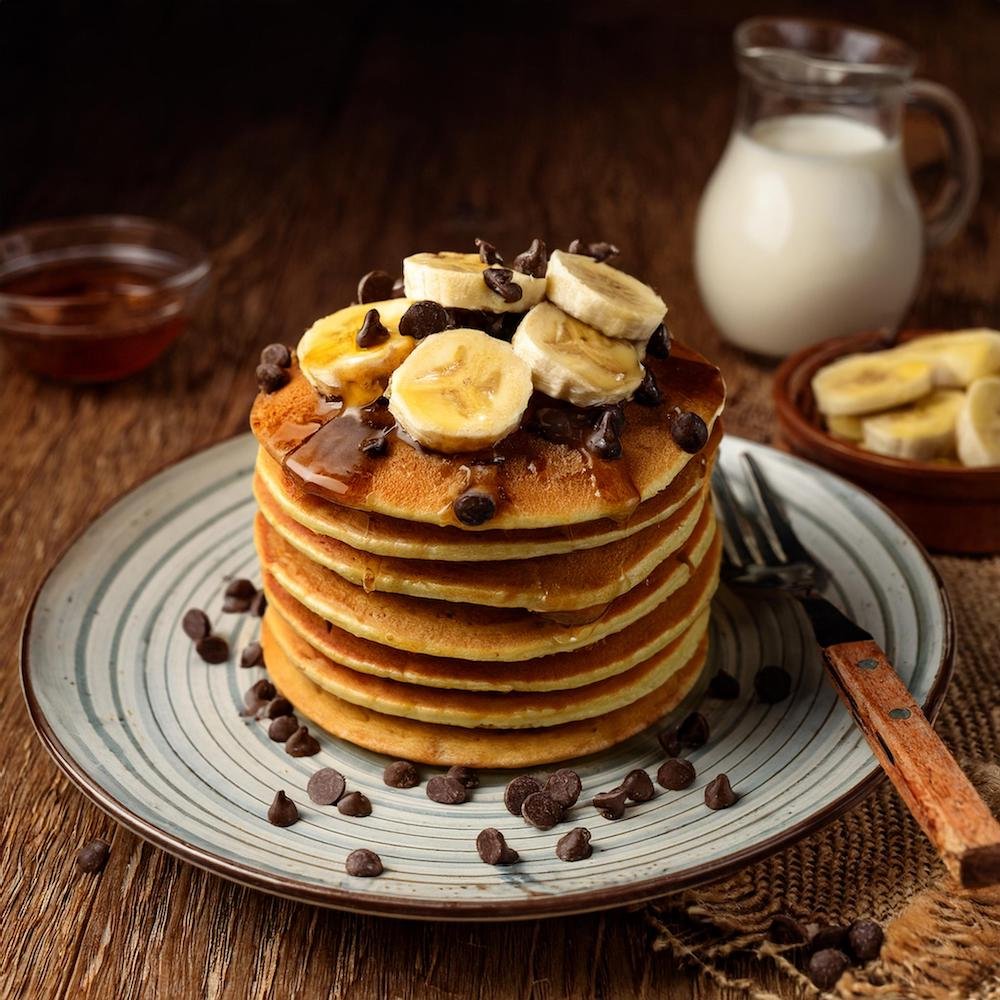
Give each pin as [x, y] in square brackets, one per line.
[762, 553]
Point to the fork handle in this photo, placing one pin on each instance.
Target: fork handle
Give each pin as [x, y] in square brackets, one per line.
[939, 795]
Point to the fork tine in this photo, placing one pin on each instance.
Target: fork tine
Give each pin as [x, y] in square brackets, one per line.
[735, 531]
[771, 508]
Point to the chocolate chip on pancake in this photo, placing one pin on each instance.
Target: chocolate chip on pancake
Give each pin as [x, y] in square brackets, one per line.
[689, 431]
[488, 253]
[277, 708]
[376, 445]
[772, 684]
[575, 845]
[491, 846]
[719, 793]
[676, 774]
[373, 332]
[375, 286]
[465, 775]
[446, 790]
[534, 261]
[401, 774]
[271, 378]
[606, 439]
[355, 804]
[282, 811]
[541, 811]
[212, 648]
[648, 393]
[252, 655]
[363, 863]
[475, 507]
[611, 805]
[600, 250]
[693, 732]
[501, 281]
[723, 686]
[326, 787]
[423, 319]
[564, 786]
[517, 791]
[659, 343]
[301, 743]
[276, 354]
[93, 856]
[196, 624]
[638, 786]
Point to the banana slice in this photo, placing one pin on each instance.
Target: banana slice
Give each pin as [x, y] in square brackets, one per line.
[924, 430]
[867, 383]
[331, 360]
[609, 300]
[958, 358]
[978, 429]
[848, 428]
[572, 361]
[460, 390]
[456, 280]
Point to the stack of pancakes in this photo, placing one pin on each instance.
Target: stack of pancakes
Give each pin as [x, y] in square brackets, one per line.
[573, 619]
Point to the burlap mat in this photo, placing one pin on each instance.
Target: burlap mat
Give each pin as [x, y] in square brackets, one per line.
[875, 861]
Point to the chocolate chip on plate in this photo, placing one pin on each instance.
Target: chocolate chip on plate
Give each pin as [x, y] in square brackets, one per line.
[301, 743]
[401, 774]
[492, 848]
[271, 378]
[693, 731]
[786, 930]
[670, 741]
[864, 938]
[575, 845]
[278, 708]
[375, 286]
[488, 253]
[446, 790]
[372, 332]
[212, 648]
[541, 810]
[659, 342]
[638, 786]
[259, 694]
[534, 261]
[676, 774]
[282, 811]
[93, 856]
[423, 319]
[463, 774]
[772, 684]
[355, 804]
[564, 786]
[719, 793]
[723, 686]
[326, 786]
[517, 790]
[826, 967]
[241, 588]
[611, 805]
[258, 604]
[195, 624]
[474, 507]
[282, 728]
[252, 655]
[605, 440]
[600, 251]
[688, 430]
[501, 281]
[648, 393]
[363, 863]
[276, 354]
[235, 605]
[398, 289]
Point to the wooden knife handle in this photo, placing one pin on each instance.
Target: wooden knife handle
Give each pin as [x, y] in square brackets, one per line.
[937, 792]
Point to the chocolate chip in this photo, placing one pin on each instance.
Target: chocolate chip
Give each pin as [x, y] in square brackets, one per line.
[611, 805]
[376, 445]
[270, 378]
[242, 590]
[820, 936]
[212, 649]
[276, 354]
[676, 774]
[638, 786]
[564, 786]
[465, 775]
[534, 261]
[553, 424]
[724, 686]
[541, 811]
[282, 811]
[363, 863]
[401, 774]
[355, 804]
[326, 786]
[423, 319]
[235, 605]
[252, 655]
[865, 940]
[93, 856]
[501, 281]
[488, 252]
[372, 332]
[375, 286]
[301, 743]
[492, 848]
[693, 731]
[616, 413]
[517, 791]
[575, 845]
[719, 793]
[479, 319]
[826, 967]
[659, 342]
[605, 440]
[600, 251]
[259, 694]
[446, 790]
[278, 708]
[258, 604]
[670, 741]
[648, 393]
[786, 930]
[772, 684]
[688, 431]
[398, 289]
[195, 624]
[474, 507]
[282, 727]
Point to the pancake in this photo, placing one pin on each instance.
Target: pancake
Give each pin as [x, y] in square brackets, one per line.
[544, 485]
[567, 582]
[557, 671]
[489, 710]
[469, 631]
[387, 536]
[444, 746]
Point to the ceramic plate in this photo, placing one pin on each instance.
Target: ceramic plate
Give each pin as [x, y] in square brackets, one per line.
[154, 737]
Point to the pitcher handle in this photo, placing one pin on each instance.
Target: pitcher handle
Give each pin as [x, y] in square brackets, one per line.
[958, 195]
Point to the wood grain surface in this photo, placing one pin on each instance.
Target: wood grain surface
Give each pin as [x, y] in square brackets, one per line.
[306, 144]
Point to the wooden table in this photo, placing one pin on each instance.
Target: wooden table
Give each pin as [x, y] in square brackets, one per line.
[307, 146]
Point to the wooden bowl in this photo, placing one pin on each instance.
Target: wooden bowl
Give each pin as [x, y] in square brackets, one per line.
[949, 508]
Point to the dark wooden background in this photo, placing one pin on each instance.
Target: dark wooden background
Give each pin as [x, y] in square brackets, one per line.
[306, 143]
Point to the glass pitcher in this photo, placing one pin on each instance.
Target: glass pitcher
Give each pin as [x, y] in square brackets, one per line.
[809, 227]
